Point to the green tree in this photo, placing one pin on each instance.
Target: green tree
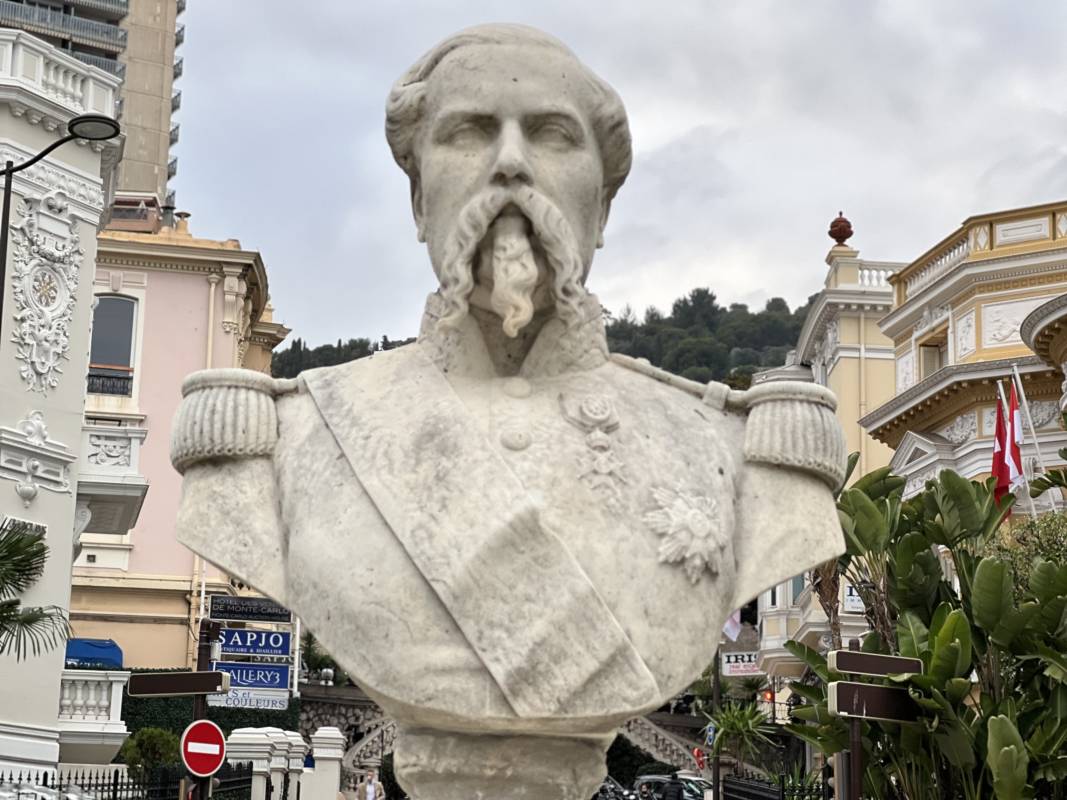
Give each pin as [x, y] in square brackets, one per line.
[25, 629]
[150, 748]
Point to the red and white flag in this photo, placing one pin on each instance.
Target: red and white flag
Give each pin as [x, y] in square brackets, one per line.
[732, 628]
[1007, 459]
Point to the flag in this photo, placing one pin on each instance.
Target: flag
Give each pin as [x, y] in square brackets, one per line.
[1000, 448]
[732, 628]
[1013, 455]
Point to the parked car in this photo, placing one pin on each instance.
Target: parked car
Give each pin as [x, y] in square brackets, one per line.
[611, 789]
[696, 787]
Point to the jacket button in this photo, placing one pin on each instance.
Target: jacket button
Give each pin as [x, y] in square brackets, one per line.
[515, 440]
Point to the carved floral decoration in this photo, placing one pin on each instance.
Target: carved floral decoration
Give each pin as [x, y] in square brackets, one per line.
[109, 451]
[46, 261]
[692, 531]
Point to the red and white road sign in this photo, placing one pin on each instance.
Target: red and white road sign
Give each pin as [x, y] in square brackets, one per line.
[203, 748]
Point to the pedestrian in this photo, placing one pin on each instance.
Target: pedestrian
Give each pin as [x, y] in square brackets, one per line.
[674, 790]
[371, 788]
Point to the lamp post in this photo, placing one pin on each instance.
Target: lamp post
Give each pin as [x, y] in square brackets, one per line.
[93, 127]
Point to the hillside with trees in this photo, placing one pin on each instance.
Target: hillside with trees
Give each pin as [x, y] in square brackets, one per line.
[699, 339]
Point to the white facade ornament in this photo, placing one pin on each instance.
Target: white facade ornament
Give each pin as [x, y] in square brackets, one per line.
[48, 177]
[917, 482]
[905, 372]
[963, 428]
[965, 338]
[1043, 412]
[692, 531]
[110, 451]
[46, 261]
[1061, 225]
[832, 338]
[989, 421]
[32, 460]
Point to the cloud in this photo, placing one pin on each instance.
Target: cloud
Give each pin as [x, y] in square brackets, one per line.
[753, 124]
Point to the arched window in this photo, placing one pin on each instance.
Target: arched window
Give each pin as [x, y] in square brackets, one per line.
[111, 353]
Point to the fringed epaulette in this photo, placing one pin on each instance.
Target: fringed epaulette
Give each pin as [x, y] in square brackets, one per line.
[224, 414]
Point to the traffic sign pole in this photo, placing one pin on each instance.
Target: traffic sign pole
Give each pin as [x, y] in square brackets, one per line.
[209, 632]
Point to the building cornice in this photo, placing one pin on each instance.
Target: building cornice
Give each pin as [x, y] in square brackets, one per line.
[947, 380]
[987, 270]
[828, 306]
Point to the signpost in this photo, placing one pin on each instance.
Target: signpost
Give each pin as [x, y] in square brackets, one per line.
[177, 684]
[262, 699]
[203, 748]
[251, 609]
[247, 642]
[859, 701]
[738, 664]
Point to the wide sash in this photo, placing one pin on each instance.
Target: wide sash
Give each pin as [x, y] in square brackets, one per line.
[518, 595]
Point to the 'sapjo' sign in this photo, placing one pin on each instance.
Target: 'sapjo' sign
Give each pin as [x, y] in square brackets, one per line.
[250, 675]
[238, 641]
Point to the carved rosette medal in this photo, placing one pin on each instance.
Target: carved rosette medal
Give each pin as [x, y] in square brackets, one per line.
[46, 261]
[692, 530]
[599, 468]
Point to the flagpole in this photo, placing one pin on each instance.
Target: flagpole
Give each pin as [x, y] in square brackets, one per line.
[1026, 411]
[1007, 445]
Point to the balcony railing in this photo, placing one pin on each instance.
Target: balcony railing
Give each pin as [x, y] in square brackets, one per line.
[174, 131]
[178, 68]
[91, 728]
[110, 380]
[175, 102]
[181, 6]
[172, 168]
[37, 19]
[111, 65]
[116, 9]
[937, 264]
[179, 36]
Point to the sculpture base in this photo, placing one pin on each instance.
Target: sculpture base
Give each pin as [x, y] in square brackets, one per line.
[439, 765]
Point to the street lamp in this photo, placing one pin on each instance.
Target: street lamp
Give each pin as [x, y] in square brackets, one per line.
[93, 127]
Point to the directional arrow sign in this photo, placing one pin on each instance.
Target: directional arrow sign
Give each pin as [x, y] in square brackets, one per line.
[177, 684]
[857, 663]
[867, 701]
[203, 748]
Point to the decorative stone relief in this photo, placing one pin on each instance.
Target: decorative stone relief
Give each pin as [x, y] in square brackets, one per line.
[965, 338]
[917, 482]
[600, 468]
[980, 238]
[109, 451]
[905, 372]
[1044, 412]
[962, 429]
[989, 421]
[82, 517]
[1001, 321]
[833, 338]
[87, 192]
[32, 460]
[930, 316]
[1061, 225]
[1023, 230]
[46, 263]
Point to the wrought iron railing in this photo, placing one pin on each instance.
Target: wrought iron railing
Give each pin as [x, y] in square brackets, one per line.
[45, 20]
[748, 786]
[118, 8]
[175, 101]
[106, 783]
[108, 64]
[109, 381]
[178, 67]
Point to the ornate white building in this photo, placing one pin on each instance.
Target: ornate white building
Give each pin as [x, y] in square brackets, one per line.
[46, 714]
[956, 323]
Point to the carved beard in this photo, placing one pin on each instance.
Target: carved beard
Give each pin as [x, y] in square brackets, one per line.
[514, 266]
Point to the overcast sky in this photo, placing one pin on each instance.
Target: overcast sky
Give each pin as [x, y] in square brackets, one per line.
[754, 122]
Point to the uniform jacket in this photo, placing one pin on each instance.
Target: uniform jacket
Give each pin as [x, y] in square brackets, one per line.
[550, 551]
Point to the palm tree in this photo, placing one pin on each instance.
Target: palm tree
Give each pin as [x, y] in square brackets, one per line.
[741, 730]
[25, 629]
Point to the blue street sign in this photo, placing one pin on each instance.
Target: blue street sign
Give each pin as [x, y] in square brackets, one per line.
[238, 641]
[255, 676]
[709, 735]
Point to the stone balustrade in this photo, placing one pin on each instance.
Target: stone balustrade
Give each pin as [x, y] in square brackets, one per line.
[73, 85]
[937, 264]
[277, 758]
[874, 277]
[91, 729]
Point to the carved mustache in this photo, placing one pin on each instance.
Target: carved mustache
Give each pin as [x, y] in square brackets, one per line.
[553, 233]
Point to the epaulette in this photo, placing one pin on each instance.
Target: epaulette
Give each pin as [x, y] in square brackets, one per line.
[226, 413]
[792, 424]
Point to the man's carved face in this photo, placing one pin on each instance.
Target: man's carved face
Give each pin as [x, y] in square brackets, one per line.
[510, 186]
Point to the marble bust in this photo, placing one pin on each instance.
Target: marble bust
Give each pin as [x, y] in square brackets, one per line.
[513, 540]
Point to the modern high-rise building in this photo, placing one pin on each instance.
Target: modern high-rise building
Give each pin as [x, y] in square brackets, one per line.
[135, 40]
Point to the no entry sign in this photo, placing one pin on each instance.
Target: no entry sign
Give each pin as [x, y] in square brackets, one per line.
[203, 748]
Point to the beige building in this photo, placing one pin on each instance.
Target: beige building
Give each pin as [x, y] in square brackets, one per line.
[956, 325]
[56, 209]
[842, 347]
[167, 304]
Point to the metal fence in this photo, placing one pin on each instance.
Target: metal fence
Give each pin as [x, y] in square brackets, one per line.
[234, 782]
[104, 784]
[754, 787]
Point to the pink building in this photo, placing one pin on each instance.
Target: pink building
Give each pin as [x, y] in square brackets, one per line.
[167, 304]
